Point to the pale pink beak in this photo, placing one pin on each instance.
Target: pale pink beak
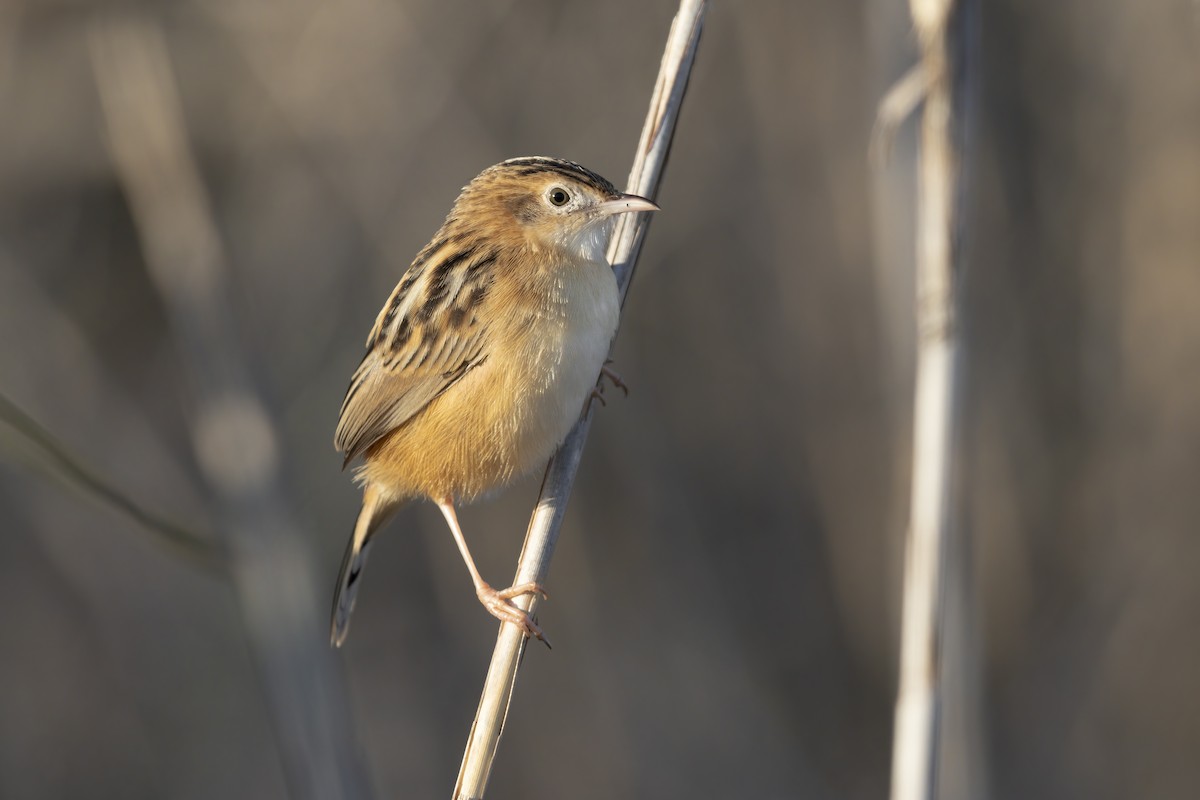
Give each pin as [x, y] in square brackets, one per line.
[625, 203]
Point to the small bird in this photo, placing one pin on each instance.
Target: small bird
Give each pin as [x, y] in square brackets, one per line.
[483, 357]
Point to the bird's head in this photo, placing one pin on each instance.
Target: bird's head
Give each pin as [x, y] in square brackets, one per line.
[549, 204]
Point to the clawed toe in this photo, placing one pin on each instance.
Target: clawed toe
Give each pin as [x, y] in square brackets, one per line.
[597, 392]
[523, 588]
[612, 375]
[499, 604]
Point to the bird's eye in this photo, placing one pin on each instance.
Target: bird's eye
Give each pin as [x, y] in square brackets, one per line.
[559, 196]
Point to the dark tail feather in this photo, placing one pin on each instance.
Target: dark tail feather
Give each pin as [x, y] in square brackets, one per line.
[346, 591]
[373, 514]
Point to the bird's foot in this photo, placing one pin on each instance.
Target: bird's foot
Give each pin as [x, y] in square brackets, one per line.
[613, 376]
[597, 392]
[499, 604]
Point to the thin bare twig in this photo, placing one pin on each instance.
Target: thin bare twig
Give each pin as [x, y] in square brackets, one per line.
[540, 539]
[60, 464]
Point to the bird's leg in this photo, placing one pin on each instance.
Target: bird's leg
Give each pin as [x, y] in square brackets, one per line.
[498, 603]
[597, 392]
[612, 375]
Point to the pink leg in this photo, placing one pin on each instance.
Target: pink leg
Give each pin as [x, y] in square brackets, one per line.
[597, 392]
[605, 372]
[498, 603]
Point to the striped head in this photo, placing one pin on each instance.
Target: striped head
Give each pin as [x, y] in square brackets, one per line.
[544, 203]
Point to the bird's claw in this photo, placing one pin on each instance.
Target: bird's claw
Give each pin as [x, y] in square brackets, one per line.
[597, 392]
[613, 376]
[499, 604]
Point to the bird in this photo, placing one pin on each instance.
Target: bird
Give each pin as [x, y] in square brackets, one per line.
[483, 357]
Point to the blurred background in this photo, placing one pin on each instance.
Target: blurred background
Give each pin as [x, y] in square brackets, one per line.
[204, 203]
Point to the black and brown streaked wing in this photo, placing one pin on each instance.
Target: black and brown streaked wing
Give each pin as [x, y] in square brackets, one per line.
[428, 336]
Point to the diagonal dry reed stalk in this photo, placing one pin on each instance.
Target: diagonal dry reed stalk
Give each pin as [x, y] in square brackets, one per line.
[534, 563]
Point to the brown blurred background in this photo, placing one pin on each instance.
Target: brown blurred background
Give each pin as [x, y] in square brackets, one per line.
[726, 590]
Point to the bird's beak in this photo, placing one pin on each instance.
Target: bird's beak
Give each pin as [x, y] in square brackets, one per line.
[624, 203]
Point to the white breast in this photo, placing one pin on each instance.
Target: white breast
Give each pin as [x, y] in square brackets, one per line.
[567, 357]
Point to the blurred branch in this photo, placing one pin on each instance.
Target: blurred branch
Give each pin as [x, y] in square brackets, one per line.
[233, 436]
[58, 463]
[542, 535]
[939, 233]
[895, 107]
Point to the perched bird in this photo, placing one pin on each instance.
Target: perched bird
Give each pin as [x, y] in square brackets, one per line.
[482, 359]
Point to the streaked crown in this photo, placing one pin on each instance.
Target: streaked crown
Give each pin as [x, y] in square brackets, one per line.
[529, 166]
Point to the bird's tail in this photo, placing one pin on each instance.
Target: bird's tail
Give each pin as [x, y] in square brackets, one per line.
[375, 511]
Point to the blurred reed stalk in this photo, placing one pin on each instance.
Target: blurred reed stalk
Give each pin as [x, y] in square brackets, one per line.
[542, 534]
[938, 83]
[233, 436]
